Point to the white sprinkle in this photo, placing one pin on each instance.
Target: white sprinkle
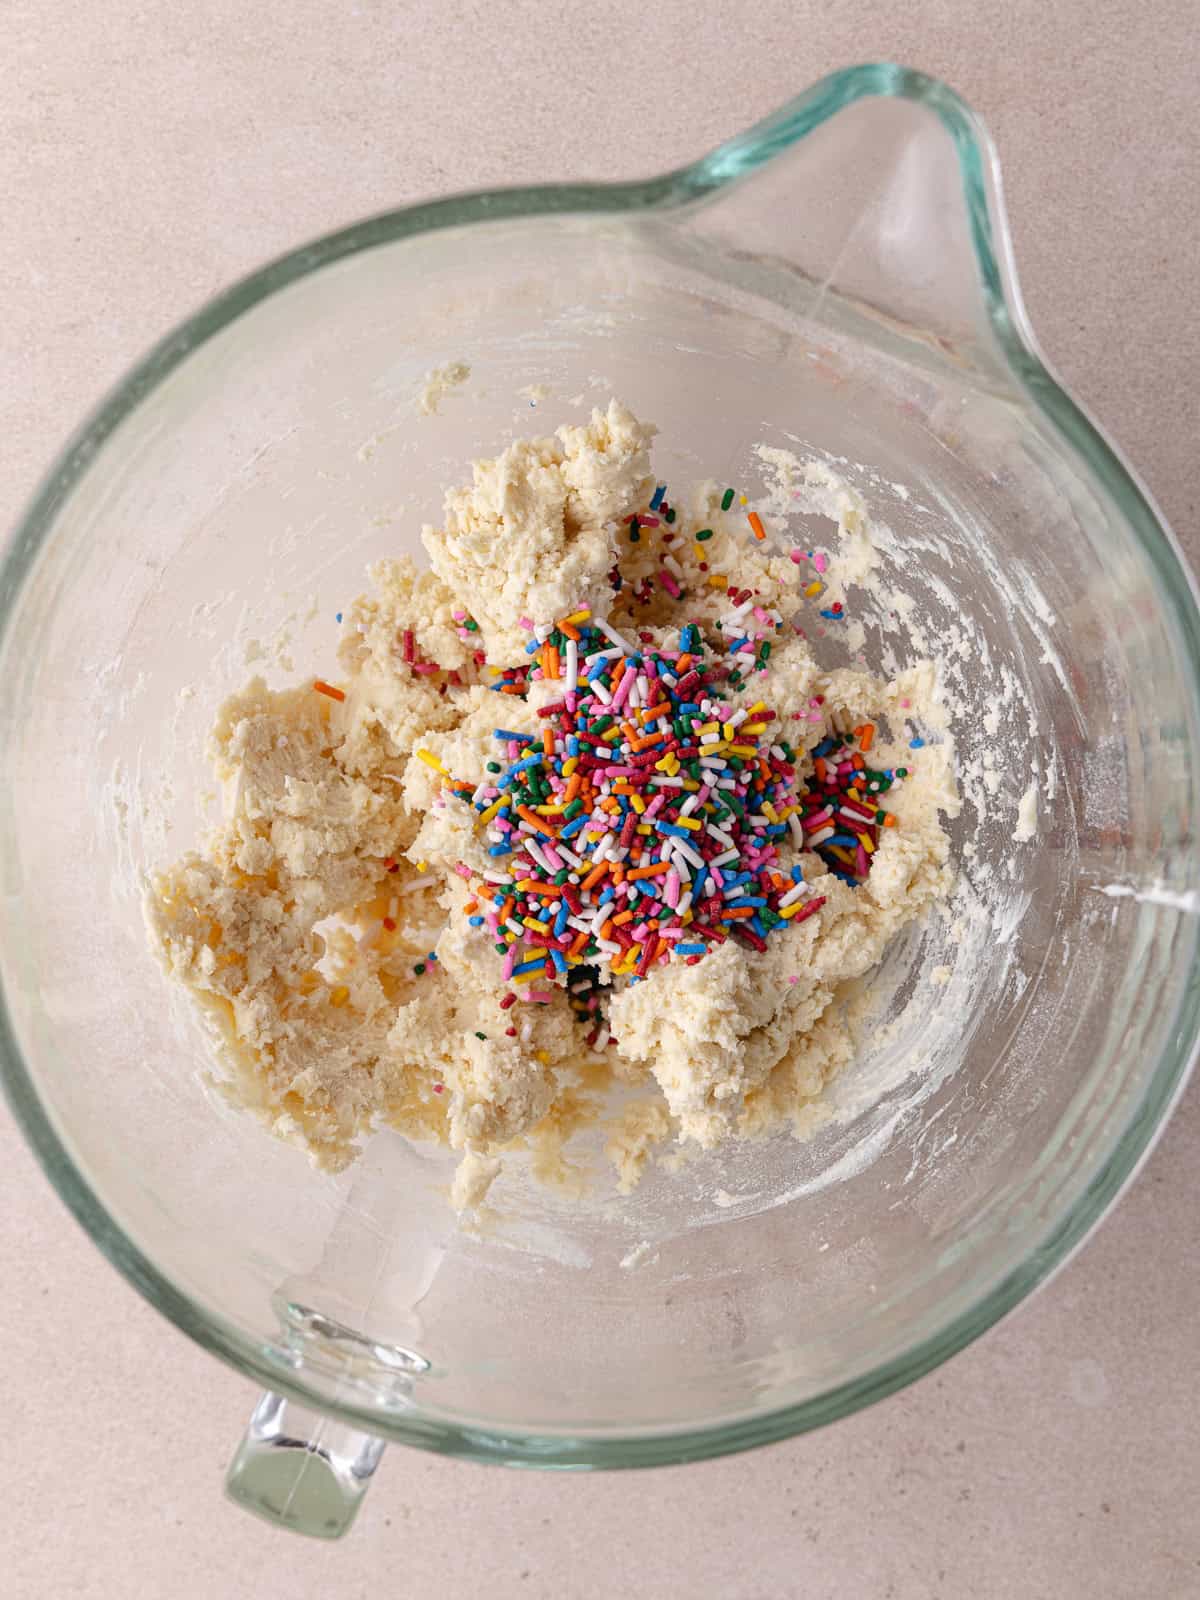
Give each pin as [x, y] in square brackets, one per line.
[572, 666]
[610, 632]
[568, 855]
[688, 806]
[777, 752]
[504, 878]
[738, 717]
[794, 894]
[797, 830]
[601, 1038]
[667, 783]
[543, 631]
[724, 839]
[413, 885]
[609, 946]
[720, 861]
[675, 570]
[685, 904]
[514, 927]
[601, 693]
[820, 836]
[580, 926]
[684, 849]
[526, 1031]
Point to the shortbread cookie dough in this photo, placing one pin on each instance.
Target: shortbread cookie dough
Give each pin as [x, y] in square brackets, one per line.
[579, 810]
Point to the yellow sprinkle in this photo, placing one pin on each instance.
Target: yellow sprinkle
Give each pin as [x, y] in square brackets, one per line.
[716, 580]
[664, 765]
[790, 911]
[752, 711]
[841, 853]
[866, 844]
[740, 750]
[534, 923]
[543, 1056]
[770, 811]
[709, 727]
[528, 977]
[711, 749]
[569, 766]
[742, 501]
[813, 588]
[422, 866]
[495, 671]
[690, 783]
[432, 761]
[686, 917]
[579, 616]
[612, 735]
[635, 800]
[699, 549]
[486, 816]
[754, 727]
[644, 828]
[688, 822]
[550, 811]
[729, 730]
[339, 996]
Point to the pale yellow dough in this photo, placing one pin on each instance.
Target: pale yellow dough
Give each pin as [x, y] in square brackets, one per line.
[282, 927]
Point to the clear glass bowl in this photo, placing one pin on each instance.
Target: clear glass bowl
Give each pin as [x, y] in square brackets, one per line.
[837, 280]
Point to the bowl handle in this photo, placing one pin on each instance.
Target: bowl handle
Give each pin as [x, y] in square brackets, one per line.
[302, 1470]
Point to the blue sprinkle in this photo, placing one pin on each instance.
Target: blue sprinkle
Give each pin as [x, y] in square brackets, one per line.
[476, 922]
[608, 896]
[690, 949]
[532, 648]
[559, 960]
[698, 883]
[528, 966]
[572, 828]
[844, 839]
[338, 616]
[507, 736]
[823, 749]
[758, 927]
[797, 875]
[677, 833]
[657, 498]
[572, 745]
[560, 921]
[500, 850]
[916, 744]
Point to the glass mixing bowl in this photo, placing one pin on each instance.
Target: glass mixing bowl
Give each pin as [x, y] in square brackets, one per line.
[837, 281]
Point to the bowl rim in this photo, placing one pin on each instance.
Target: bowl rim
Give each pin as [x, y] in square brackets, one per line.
[1014, 337]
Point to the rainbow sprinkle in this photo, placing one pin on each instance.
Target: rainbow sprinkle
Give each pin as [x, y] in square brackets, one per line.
[643, 822]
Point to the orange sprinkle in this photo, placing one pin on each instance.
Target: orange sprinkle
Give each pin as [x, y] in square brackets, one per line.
[744, 911]
[471, 906]
[534, 821]
[866, 735]
[663, 707]
[653, 871]
[622, 917]
[571, 632]
[547, 741]
[512, 688]
[574, 784]
[819, 769]
[322, 687]
[580, 944]
[659, 947]
[594, 876]
[890, 821]
[755, 521]
[506, 910]
[547, 891]
[549, 661]
[683, 664]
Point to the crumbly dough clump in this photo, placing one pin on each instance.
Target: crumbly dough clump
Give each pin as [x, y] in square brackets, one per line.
[321, 928]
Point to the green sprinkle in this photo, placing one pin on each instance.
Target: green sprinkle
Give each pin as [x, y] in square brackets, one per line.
[704, 533]
[479, 1035]
[494, 766]
[671, 514]
[561, 877]
[471, 626]
[727, 500]
[419, 969]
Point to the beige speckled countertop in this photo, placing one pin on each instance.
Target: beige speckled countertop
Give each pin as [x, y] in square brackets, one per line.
[149, 153]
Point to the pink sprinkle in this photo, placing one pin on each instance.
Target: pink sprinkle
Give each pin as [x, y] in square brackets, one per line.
[540, 997]
[761, 614]
[525, 622]
[552, 856]
[669, 584]
[622, 691]
[906, 704]
[820, 560]
[797, 556]
[510, 961]
[424, 667]
[793, 979]
[438, 1088]
[459, 616]
[463, 871]
[671, 889]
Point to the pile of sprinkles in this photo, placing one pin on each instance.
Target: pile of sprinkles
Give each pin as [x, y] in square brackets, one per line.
[642, 823]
